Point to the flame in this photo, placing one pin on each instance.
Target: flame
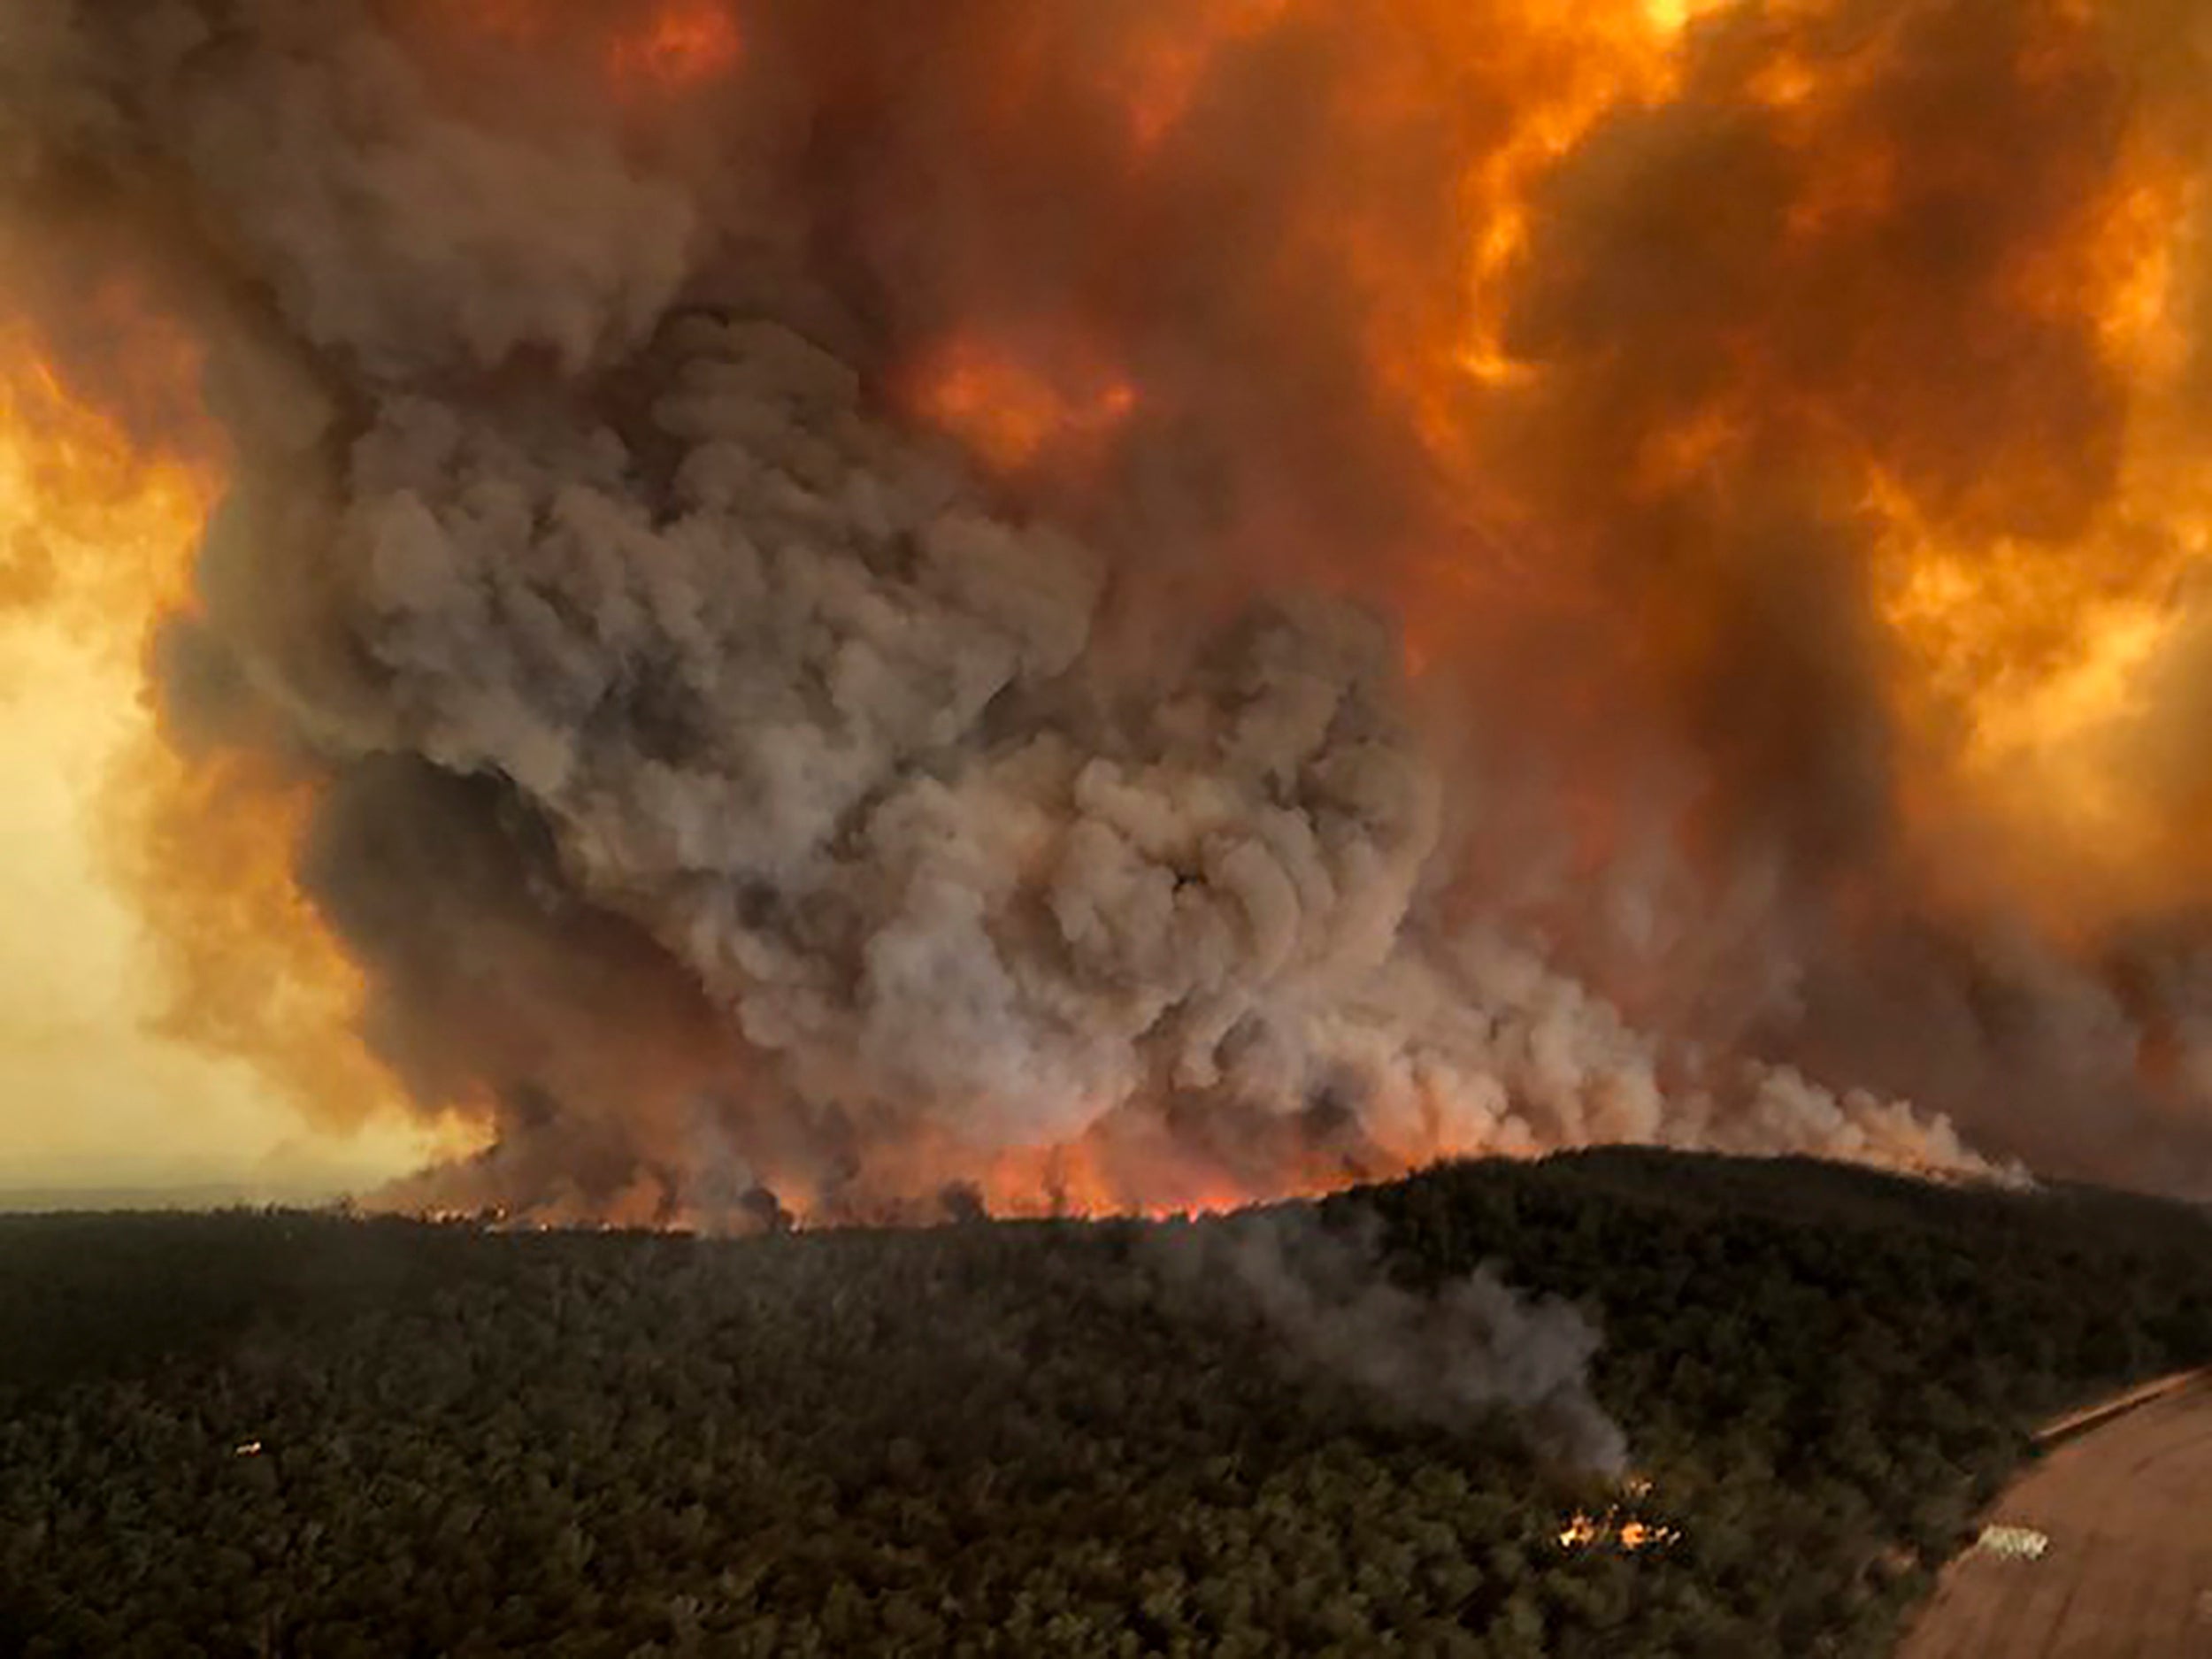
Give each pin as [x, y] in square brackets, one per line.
[1013, 413]
[1559, 295]
[1616, 1528]
[2028, 639]
[1129, 1163]
[96, 532]
[2046, 653]
[1589, 61]
[2036, 565]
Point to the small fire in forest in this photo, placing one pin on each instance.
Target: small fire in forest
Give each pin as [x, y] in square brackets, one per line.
[1617, 1528]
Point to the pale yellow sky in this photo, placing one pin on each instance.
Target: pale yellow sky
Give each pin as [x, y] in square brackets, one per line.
[88, 1093]
[91, 1094]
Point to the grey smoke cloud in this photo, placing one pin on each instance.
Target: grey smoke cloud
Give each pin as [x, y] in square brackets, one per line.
[724, 786]
[1445, 1356]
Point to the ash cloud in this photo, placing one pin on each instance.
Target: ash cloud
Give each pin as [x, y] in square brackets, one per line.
[725, 786]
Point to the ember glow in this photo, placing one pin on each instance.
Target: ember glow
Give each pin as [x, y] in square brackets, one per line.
[99, 532]
[1010, 415]
[1089, 609]
[681, 44]
[1590, 1532]
[1618, 1526]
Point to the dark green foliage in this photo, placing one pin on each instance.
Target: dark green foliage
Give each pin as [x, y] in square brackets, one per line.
[1018, 1439]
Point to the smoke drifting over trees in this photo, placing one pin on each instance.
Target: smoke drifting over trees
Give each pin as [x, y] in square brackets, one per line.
[1126, 612]
[1445, 1356]
[279, 1430]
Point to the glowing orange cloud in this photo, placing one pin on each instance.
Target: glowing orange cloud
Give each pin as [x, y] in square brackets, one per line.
[99, 531]
[682, 44]
[664, 50]
[1014, 415]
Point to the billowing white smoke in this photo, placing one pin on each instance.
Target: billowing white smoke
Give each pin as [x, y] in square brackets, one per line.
[819, 722]
[718, 782]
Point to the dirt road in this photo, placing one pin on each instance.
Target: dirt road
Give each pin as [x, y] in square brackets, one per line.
[2128, 1510]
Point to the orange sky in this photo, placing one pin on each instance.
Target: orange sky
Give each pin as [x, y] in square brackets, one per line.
[91, 1093]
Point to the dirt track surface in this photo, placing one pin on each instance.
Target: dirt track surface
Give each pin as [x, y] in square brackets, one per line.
[2128, 1575]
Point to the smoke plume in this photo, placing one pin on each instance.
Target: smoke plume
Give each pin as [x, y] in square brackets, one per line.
[1444, 1358]
[1142, 607]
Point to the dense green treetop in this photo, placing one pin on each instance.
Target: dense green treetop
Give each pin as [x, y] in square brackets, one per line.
[283, 1432]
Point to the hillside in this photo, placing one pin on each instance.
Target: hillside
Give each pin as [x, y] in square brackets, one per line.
[309, 1434]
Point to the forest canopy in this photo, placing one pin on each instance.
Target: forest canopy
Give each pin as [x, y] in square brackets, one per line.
[262, 1433]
